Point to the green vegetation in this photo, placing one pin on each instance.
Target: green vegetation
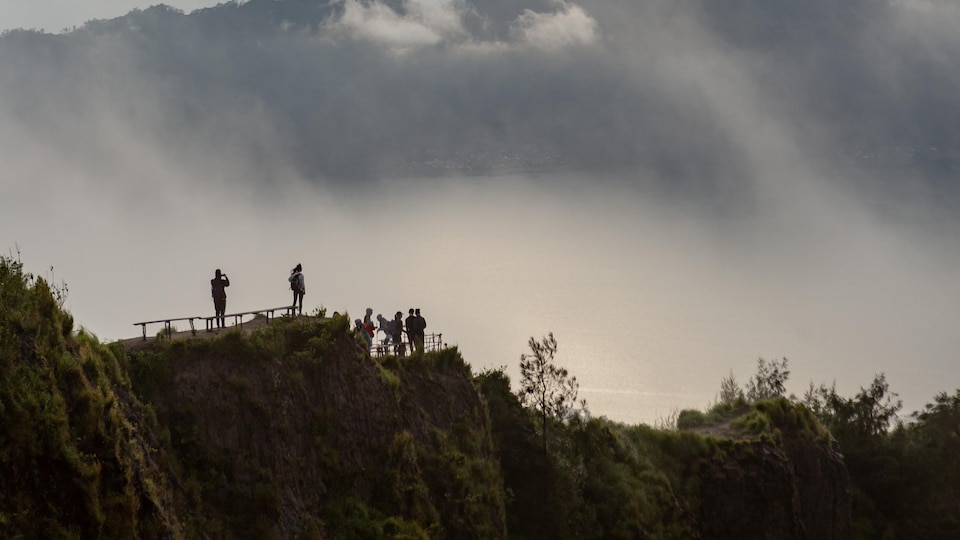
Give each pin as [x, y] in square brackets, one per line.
[294, 431]
[392, 450]
[904, 475]
[602, 479]
[769, 381]
[74, 462]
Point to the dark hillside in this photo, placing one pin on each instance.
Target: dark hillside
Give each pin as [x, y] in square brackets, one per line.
[775, 475]
[293, 431]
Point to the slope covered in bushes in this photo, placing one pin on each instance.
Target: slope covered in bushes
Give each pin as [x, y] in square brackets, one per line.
[77, 456]
[294, 431]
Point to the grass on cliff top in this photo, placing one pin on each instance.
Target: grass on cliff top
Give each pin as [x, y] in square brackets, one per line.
[765, 418]
[300, 340]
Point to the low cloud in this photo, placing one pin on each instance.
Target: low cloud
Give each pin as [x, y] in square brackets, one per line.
[570, 25]
[423, 23]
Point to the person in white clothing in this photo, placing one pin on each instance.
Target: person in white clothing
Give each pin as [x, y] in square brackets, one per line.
[386, 326]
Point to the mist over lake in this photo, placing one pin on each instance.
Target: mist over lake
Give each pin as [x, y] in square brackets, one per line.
[652, 300]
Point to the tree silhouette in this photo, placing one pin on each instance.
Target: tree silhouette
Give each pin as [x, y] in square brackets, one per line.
[769, 381]
[546, 387]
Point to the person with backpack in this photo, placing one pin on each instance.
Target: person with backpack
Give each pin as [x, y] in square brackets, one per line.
[298, 286]
[218, 286]
[386, 326]
[398, 334]
[368, 323]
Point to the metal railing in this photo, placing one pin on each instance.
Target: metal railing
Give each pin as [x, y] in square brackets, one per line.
[386, 346]
[269, 313]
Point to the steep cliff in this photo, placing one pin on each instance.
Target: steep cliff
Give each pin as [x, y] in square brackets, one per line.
[787, 483]
[302, 432]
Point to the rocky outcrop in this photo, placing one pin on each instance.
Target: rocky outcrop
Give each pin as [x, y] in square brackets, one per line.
[767, 490]
[297, 435]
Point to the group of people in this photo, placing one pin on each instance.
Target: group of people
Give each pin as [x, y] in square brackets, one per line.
[394, 329]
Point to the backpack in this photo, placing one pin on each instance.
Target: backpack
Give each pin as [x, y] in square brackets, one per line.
[295, 283]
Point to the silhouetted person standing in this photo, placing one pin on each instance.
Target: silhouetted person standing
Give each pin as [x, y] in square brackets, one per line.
[421, 326]
[398, 333]
[218, 286]
[298, 286]
[411, 324]
[386, 326]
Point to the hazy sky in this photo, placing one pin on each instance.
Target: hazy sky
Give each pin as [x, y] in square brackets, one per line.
[673, 192]
[56, 15]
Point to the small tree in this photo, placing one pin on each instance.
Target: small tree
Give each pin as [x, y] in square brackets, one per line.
[730, 391]
[769, 380]
[817, 399]
[940, 422]
[868, 414]
[546, 387]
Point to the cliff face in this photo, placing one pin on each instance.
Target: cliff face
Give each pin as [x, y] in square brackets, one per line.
[792, 489]
[320, 439]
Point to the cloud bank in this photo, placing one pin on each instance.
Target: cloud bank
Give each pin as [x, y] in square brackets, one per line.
[369, 89]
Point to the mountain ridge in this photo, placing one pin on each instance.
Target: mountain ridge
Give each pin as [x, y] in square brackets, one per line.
[303, 84]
